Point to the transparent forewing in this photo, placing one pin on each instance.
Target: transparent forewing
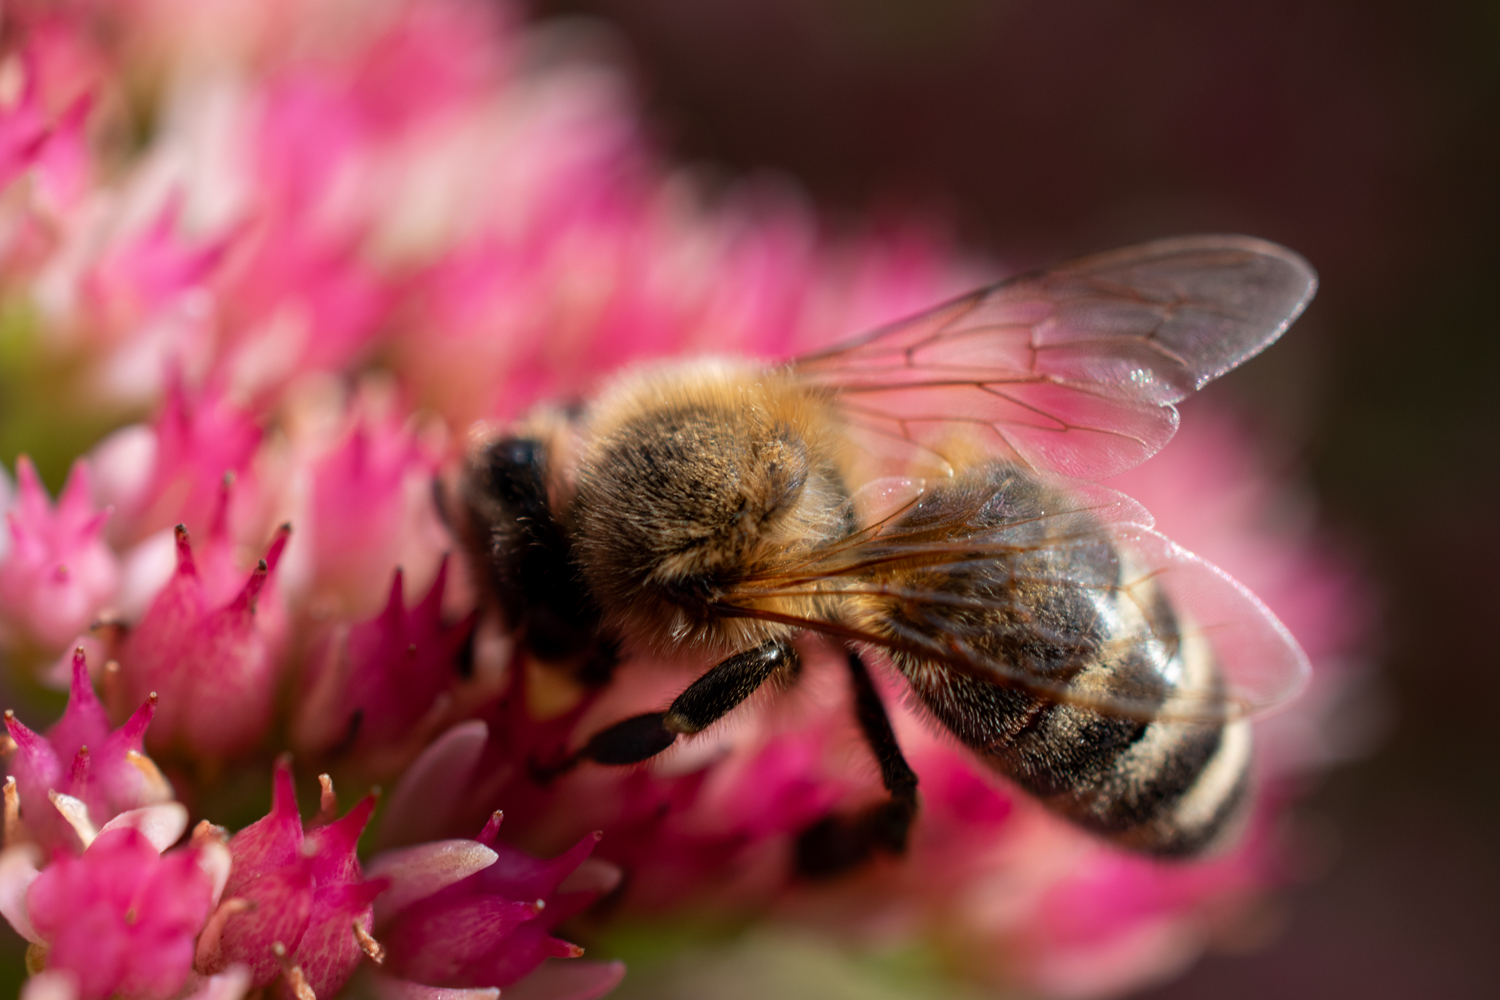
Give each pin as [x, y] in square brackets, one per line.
[1043, 602]
[1260, 665]
[1073, 369]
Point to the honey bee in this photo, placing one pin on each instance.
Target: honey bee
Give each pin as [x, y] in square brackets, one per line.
[925, 493]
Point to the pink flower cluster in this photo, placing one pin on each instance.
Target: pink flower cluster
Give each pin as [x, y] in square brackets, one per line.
[276, 903]
[290, 252]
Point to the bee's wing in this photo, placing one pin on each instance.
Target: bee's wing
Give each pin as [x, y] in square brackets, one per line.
[1220, 653]
[1072, 369]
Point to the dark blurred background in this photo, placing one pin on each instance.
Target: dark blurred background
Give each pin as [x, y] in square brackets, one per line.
[1364, 134]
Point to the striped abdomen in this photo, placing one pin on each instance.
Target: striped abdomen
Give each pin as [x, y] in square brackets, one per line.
[1048, 601]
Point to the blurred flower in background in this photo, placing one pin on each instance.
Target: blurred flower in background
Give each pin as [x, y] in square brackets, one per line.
[262, 267]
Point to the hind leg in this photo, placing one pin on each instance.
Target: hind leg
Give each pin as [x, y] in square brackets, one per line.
[836, 844]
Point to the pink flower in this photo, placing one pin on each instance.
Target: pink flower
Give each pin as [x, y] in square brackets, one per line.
[34, 137]
[480, 914]
[431, 61]
[58, 572]
[121, 917]
[206, 651]
[371, 509]
[381, 687]
[82, 774]
[141, 277]
[295, 899]
[176, 474]
[326, 303]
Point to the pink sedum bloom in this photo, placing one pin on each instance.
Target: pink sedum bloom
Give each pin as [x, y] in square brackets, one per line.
[331, 300]
[140, 278]
[174, 475]
[383, 686]
[48, 142]
[371, 508]
[480, 914]
[122, 916]
[207, 652]
[81, 774]
[459, 913]
[57, 573]
[295, 898]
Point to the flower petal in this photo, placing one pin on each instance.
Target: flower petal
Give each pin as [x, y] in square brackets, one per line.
[331, 848]
[415, 872]
[331, 949]
[387, 988]
[51, 984]
[231, 984]
[77, 816]
[162, 824]
[434, 783]
[443, 940]
[83, 721]
[271, 842]
[275, 908]
[593, 875]
[213, 858]
[18, 869]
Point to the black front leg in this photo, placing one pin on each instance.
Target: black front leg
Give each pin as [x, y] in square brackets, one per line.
[836, 844]
[706, 701]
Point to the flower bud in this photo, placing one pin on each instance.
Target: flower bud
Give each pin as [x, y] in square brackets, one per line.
[480, 913]
[105, 772]
[295, 903]
[212, 661]
[379, 685]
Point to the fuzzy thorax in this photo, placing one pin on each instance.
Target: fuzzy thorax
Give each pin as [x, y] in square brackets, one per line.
[696, 480]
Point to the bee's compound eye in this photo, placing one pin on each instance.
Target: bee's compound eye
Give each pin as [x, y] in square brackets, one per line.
[511, 453]
[516, 471]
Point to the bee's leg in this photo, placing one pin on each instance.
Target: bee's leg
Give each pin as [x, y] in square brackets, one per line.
[836, 844]
[706, 700]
